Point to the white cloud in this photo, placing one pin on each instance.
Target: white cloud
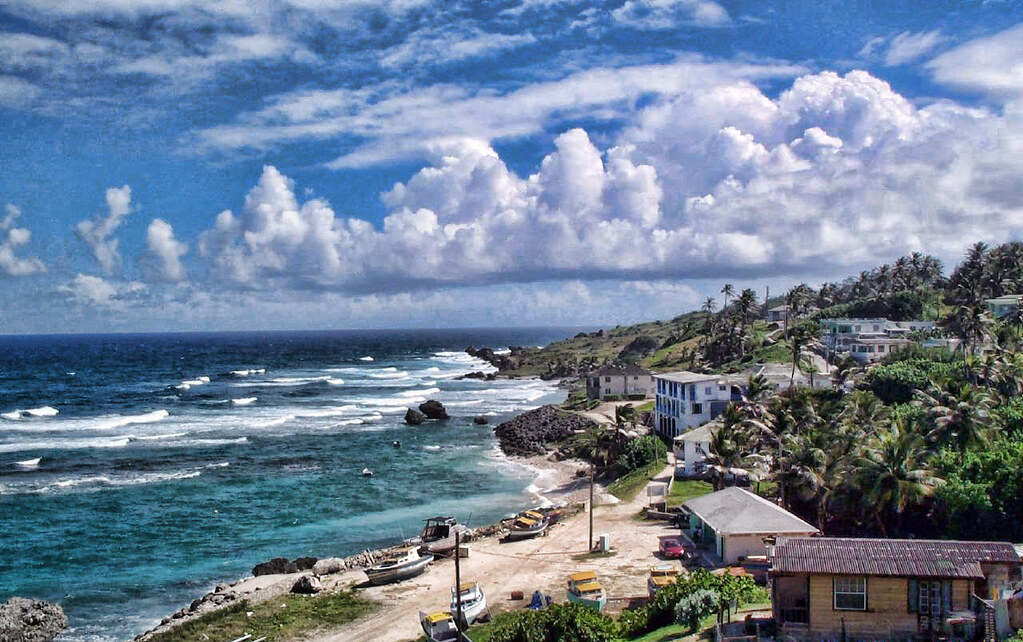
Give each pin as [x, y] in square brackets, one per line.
[20, 51]
[16, 92]
[90, 290]
[399, 124]
[422, 48]
[11, 238]
[162, 260]
[907, 47]
[990, 65]
[722, 181]
[667, 14]
[96, 232]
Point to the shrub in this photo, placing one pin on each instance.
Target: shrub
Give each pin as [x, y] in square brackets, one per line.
[641, 452]
[696, 606]
[569, 622]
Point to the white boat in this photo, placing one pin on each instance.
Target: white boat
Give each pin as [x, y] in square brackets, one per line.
[366, 472]
[400, 564]
[474, 603]
[583, 588]
[438, 536]
[527, 524]
[440, 627]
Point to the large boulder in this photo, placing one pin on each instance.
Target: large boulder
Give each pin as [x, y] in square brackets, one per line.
[25, 620]
[328, 566]
[433, 409]
[480, 420]
[305, 563]
[276, 565]
[413, 417]
[307, 585]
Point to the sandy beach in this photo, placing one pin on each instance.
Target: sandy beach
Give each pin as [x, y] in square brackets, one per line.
[542, 563]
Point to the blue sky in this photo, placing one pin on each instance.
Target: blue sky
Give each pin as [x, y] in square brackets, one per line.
[197, 165]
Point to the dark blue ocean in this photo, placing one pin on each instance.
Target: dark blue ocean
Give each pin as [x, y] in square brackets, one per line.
[137, 471]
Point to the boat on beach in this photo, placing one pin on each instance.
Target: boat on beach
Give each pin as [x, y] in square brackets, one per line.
[438, 536]
[583, 588]
[474, 603]
[661, 576]
[440, 627]
[400, 564]
[528, 524]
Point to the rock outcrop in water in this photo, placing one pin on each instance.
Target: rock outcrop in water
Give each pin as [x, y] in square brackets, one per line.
[25, 620]
[433, 409]
[502, 362]
[480, 420]
[534, 432]
[413, 417]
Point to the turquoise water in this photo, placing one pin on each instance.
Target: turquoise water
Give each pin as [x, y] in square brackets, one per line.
[168, 463]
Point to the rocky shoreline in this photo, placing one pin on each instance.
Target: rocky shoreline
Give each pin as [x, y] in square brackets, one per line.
[534, 431]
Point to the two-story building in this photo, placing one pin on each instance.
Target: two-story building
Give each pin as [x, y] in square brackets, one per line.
[1004, 305]
[837, 333]
[826, 588]
[872, 347]
[619, 381]
[691, 448]
[688, 399]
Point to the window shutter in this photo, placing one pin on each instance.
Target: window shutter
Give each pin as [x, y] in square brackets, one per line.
[913, 597]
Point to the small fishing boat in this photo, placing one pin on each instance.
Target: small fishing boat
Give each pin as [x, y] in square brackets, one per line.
[400, 564]
[366, 472]
[661, 576]
[474, 603]
[440, 627]
[438, 536]
[527, 524]
[583, 588]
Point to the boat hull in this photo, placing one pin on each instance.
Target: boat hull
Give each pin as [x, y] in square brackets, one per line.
[398, 573]
[597, 604]
[471, 610]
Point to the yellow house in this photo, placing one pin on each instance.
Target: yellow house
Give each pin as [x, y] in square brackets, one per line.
[825, 588]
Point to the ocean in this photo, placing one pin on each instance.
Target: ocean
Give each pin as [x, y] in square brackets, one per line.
[138, 471]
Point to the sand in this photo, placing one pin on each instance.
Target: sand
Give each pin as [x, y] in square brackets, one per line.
[541, 563]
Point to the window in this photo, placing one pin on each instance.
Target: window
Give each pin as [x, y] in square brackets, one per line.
[850, 593]
[721, 388]
[880, 348]
[607, 379]
[706, 391]
[697, 408]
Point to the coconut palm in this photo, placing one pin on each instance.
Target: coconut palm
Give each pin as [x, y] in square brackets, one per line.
[727, 291]
[961, 418]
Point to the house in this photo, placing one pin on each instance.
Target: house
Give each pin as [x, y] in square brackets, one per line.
[735, 522]
[837, 333]
[691, 449]
[688, 399]
[778, 314]
[1004, 305]
[825, 588]
[779, 376]
[622, 382]
[872, 347]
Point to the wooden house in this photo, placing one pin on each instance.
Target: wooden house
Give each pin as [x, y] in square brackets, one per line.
[868, 589]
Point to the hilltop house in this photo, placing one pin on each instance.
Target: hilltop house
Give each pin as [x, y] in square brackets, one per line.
[735, 522]
[869, 340]
[688, 399]
[622, 382]
[825, 588]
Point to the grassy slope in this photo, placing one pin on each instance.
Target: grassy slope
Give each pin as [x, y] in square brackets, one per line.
[683, 491]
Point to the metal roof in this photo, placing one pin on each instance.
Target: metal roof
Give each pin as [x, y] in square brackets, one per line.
[888, 557]
[691, 377]
[618, 371]
[736, 511]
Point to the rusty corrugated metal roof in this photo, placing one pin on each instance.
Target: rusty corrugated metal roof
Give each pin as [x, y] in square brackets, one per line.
[888, 557]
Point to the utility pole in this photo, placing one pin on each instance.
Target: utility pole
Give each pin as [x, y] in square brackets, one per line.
[590, 543]
[458, 587]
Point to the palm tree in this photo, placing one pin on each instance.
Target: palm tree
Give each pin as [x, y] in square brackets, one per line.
[892, 474]
[961, 418]
[728, 291]
[969, 322]
[727, 452]
[709, 305]
[802, 336]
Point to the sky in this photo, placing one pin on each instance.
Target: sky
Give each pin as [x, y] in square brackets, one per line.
[181, 165]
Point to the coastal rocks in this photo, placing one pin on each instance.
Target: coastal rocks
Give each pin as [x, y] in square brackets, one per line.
[480, 420]
[433, 409]
[533, 432]
[479, 374]
[305, 563]
[307, 585]
[25, 620]
[414, 417]
[276, 565]
[329, 566]
[510, 361]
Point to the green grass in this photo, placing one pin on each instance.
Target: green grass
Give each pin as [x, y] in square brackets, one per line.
[303, 614]
[648, 406]
[627, 487]
[683, 491]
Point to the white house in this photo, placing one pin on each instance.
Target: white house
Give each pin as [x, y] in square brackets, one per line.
[872, 347]
[737, 521]
[688, 399]
[619, 381]
[1003, 305]
[691, 449]
[837, 333]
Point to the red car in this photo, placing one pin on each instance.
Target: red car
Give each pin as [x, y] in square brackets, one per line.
[671, 547]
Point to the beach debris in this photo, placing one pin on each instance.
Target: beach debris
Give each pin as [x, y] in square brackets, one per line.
[433, 409]
[28, 620]
[307, 585]
[481, 420]
[414, 417]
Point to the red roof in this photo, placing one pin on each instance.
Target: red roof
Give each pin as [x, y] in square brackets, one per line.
[888, 557]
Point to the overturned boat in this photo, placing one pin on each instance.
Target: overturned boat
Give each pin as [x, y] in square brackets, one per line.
[400, 564]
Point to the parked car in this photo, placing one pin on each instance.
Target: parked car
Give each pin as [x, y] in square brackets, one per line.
[672, 547]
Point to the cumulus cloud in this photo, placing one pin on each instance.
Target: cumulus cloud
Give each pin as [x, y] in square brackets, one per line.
[722, 181]
[667, 14]
[11, 238]
[162, 260]
[989, 65]
[90, 290]
[97, 232]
